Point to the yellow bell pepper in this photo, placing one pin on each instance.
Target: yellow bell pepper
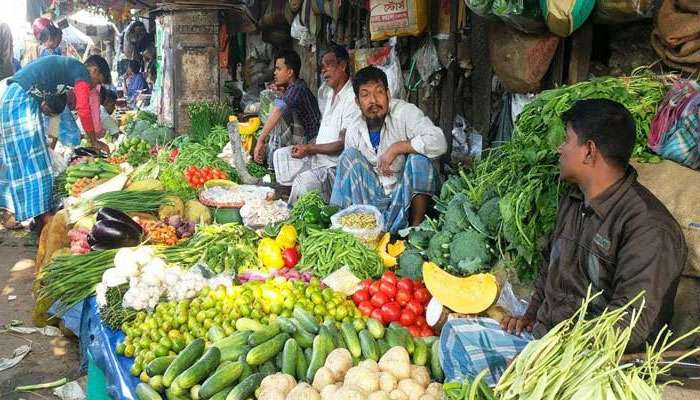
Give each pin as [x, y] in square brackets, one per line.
[287, 238]
[270, 254]
[388, 260]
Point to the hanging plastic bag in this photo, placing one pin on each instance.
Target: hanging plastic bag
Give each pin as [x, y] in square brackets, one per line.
[384, 58]
[523, 15]
[480, 7]
[301, 33]
[619, 11]
[397, 18]
[563, 17]
[426, 59]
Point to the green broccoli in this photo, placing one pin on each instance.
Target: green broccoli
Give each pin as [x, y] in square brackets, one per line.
[438, 248]
[452, 186]
[455, 219]
[411, 264]
[490, 214]
[469, 252]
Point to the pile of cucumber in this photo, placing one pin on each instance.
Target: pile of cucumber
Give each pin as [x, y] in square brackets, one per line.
[93, 169]
[232, 367]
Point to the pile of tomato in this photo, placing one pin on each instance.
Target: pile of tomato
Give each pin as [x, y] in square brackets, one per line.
[393, 299]
[196, 177]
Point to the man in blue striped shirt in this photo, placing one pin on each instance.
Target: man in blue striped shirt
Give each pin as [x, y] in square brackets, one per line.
[297, 105]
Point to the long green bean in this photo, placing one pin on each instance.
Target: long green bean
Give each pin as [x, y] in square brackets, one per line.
[325, 251]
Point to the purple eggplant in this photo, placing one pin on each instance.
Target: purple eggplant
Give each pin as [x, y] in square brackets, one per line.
[112, 214]
[114, 234]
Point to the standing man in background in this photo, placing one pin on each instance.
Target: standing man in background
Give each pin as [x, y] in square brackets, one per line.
[6, 54]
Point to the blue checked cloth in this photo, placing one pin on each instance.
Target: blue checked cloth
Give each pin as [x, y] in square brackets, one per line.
[468, 346]
[682, 142]
[25, 166]
[356, 182]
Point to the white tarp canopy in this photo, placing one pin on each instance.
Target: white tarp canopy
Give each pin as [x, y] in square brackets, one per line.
[74, 36]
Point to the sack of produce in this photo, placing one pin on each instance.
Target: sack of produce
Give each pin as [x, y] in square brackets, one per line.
[397, 18]
[530, 54]
[617, 11]
[563, 17]
[365, 222]
[676, 37]
[523, 15]
[676, 187]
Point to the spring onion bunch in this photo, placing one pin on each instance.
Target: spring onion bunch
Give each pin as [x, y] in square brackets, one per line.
[582, 359]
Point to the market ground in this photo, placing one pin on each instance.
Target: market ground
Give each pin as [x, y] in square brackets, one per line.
[54, 358]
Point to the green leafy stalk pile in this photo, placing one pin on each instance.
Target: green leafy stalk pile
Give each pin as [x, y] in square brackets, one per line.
[113, 314]
[523, 175]
[171, 173]
[206, 115]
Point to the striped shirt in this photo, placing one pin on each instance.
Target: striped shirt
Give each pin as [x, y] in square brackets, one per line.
[299, 100]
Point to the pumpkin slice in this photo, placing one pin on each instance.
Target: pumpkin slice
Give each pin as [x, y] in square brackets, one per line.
[470, 295]
[387, 259]
[396, 249]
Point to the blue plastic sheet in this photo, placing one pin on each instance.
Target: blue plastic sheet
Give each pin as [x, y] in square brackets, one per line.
[101, 342]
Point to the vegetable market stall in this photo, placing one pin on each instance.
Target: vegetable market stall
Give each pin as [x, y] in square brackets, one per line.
[180, 301]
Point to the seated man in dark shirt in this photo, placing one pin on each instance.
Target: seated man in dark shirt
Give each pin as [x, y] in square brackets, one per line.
[611, 234]
[297, 107]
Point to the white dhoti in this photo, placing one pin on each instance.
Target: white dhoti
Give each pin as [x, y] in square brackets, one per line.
[302, 174]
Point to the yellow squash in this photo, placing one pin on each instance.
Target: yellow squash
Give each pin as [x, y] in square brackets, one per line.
[469, 295]
[389, 261]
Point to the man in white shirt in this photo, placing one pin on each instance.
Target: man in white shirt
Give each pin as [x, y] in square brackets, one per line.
[307, 167]
[388, 156]
[108, 101]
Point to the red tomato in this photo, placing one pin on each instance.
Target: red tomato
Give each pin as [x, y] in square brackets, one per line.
[360, 296]
[426, 331]
[379, 299]
[365, 308]
[418, 284]
[405, 284]
[374, 287]
[365, 284]
[403, 297]
[415, 306]
[422, 295]
[420, 321]
[388, 289]
[414, 330]
[390, 277]
[206, 170]
[391, 311]
[407, 318]
[377, 314]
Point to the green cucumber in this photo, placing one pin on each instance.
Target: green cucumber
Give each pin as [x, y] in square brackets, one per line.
[303, 338]
[301, 367]
[247, 324]
[370, 350]
[233, 346]
[410, 343]
[156, 382]
[268, 368]
[246, 387]
[145, 392]
[395, 337]
[215, 334]
[351, 339]
[222, 394]
[359, 324]
[278, 359]
[188, 356]
[307, 353]
[159, 365]
[383, 346]
[420, 354]
[375, 328]
[247, 369]
[319, 352]
[324, 331]
[221, 379]
[286, 325]
[333, 331]
[267, 350]
[198, 371]
[264, 335]
[172, 396]
[435, 366]
[289, 357]
[429, 340]
[306, 319]
[194, 392]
